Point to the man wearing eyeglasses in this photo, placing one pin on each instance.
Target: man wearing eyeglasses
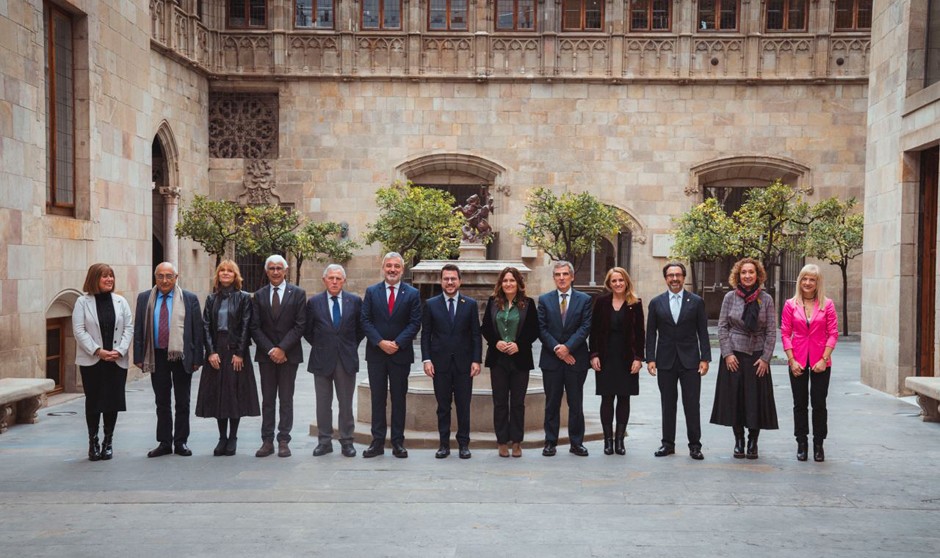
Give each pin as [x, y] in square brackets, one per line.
[168, 338]
[277, 326]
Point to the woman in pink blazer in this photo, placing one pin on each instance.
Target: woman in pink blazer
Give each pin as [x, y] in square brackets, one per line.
[810, 328]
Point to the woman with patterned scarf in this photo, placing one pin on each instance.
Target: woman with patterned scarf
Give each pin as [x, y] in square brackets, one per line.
[744, 393]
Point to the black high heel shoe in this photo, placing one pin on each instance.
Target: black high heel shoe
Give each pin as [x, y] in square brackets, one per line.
[818, 454]
[220, 447]
[107, 452]
[94, 452]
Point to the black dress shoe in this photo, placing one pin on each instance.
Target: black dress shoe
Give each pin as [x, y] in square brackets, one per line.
[322, 449]
[183, 449]
[162, 449]
[549, 449]
[801, 451]
[94, 452]
[398, 450]
[578, 450]
[231, 446]
[752, 449]
[442, 451]
[107, 452]
[374, 449]
[608, 446]
[696, 453]
[464, 452]
[220, 447]
[348, 450]
[663, 451]
[739, 448]
[818, 454]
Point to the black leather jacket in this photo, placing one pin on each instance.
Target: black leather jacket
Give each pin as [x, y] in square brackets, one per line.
[239, 320]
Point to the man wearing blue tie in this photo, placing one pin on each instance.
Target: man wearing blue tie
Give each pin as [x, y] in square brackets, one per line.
[334, 331]
[677, 348]
[452, 349]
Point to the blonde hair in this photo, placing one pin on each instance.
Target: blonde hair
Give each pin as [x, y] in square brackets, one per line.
[629, 293]
[810, 269]
[231, 266]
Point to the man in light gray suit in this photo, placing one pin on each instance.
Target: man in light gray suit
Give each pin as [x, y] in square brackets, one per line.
[334, 331]
[564, 325]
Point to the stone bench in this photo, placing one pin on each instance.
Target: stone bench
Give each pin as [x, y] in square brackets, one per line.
[20, 398]
[928, 396]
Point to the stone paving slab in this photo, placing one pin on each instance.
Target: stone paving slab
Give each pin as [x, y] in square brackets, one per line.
[878, 493]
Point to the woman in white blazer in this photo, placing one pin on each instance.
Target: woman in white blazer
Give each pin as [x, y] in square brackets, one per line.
[103, 329]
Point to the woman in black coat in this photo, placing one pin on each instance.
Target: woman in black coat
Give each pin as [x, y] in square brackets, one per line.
[227, 388]
[617, 346]
[510, 326]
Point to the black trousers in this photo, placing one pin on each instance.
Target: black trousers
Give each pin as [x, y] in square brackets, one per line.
[570, 381]
[277, 383]
[810, 387]
[669, 381]
[345, 384]
[509, 389]
[451, 384]
[385, 377]
[171, 377]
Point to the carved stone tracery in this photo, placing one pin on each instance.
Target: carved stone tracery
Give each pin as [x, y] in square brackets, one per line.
[243, 125]
[260, 184]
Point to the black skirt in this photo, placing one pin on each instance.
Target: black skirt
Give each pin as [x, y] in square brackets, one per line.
[103, 383]
[743, 399]
[225, 393]
[615, 378]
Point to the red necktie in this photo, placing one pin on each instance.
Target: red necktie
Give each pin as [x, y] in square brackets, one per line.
[391, 300]
[163, 327]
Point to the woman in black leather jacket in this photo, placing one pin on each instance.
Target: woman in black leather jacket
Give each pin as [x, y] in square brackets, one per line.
[227, 389]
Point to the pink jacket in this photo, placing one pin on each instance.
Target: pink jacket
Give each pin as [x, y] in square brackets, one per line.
[822, 332]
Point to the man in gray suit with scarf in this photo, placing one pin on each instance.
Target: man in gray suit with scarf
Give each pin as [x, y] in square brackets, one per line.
[564, 325]
[334, 331]
[168, 338]
[277, 326]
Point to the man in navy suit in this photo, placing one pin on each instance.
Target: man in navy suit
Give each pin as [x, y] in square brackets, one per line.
[277, 326]
[391, 318]
[168, 345]
[334, 331]
[452, 349]
[678, 351]
[564, 325]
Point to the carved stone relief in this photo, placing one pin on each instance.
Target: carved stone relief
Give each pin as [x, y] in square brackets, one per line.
[260, 184]
[243, 125]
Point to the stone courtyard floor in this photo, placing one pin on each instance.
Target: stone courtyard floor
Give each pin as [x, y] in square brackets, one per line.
[877, 494]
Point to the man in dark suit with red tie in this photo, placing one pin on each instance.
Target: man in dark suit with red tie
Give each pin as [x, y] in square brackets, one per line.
[277, 326]
[334, 331]
[678, 352]
[452, 349]
[391, 318]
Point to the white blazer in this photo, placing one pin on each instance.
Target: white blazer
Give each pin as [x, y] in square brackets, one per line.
[87, 330]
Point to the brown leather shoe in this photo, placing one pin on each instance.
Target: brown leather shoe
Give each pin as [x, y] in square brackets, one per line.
[282, 449]
[266, 449]
[516, 449]
[503, 450]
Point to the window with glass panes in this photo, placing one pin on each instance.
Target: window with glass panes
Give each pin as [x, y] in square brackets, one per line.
[447, 15]
[515, 15]
[314, 14]
[381, 14]
[60, 111]
[785, 15]
[244, 14]
[718, 15]
[853, 15]
[583, 15]
[650, 15]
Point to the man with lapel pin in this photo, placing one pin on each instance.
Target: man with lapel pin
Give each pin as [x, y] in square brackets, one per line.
[678, 351]
[334, 331]
[564, 325]
[277, 326]
[452, 349]
[391, 318]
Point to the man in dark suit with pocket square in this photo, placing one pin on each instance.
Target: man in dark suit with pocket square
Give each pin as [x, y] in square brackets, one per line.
[277, 326]
[334, 331]
[391, 318]
[678, 352]
[452, 349]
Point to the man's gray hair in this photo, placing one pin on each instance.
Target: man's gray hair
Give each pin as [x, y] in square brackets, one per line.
[563, 263]
[173, 267]
[391, 255]
[334, 267]
[275, 258]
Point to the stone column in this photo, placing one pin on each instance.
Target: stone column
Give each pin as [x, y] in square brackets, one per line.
[171, 205]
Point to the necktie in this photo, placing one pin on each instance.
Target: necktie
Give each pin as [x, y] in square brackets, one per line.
[391, 300]
[564, 306]
[674, 306]
[336, 315]
[163, 328]
[451, 309]
[275, 303]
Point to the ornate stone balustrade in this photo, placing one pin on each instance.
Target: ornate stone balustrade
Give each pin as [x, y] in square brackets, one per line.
[515, 56]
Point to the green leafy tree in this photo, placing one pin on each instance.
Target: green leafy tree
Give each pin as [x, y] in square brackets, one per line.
[766, 225]
[211, 223]
[322, 242]
[834, 234]
[418, 223]
[268, 229]
[701, 234]
[567, 226]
